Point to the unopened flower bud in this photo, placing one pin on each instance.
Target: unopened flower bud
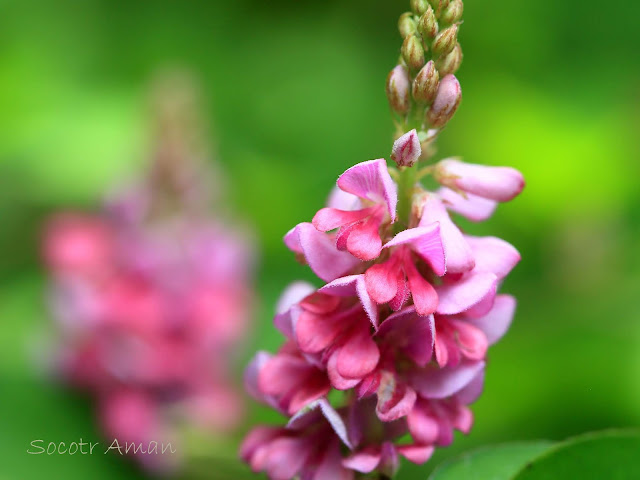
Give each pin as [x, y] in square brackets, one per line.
[425, 85]
[428, 24]
[445, 41]
[406, 24]
[419, 6]
[413, 52]
[439, 5]
[446, 102]
[406, 149]
[453, 12]
[450, 63]
[398, 89]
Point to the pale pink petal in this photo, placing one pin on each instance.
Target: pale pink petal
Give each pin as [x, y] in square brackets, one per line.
[426, 242]
[251, 375]
[371, 180]
[343, 200]
[406, 149]
[319, 251]
[496, 183]
[458, 254]
[417, 454]
[434, 382]
[473, 389]
[494, 255]
[364, 461]
[358, 356]
[330, 218]
[476, 209]
[460, 296]
[423, 427]
[293, 294]
[496, 323]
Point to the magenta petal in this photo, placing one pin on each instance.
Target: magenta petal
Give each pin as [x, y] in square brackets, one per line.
[331, 468]
[472, 390]
[411, 333]
[424, 295]
[433, 382]
[319, 251]
[371, 180]
[257, 438]
[315, 387]
[364, 461]
[358, 356]
[329, 413]
[496, 323]
[251, 375]
[417, 454]
[458, 254]
[471, 339]
[460, 296]
[314, 332]
[476, 209]
[493, 255]
[285, 458]
[426, 242]
[423, 427]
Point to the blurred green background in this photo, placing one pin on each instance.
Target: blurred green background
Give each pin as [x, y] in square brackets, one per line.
[295, 94]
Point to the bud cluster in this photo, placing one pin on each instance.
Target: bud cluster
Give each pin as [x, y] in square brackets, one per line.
[422, 89]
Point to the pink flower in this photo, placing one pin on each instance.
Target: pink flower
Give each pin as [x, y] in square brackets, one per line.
[358, 230]
[494, 183]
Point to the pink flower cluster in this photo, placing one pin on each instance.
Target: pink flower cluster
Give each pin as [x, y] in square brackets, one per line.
[150, 308]
[395, 342]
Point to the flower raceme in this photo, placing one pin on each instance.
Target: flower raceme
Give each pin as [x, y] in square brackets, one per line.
[402, 326]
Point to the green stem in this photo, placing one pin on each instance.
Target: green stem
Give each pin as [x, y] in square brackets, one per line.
[406, 184]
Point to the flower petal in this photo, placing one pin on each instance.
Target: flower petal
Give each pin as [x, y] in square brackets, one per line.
[417, 454]
[364, 461]
[358, 356]
[434, 382]
[425, 297]
[411, 333]
[476, 209]
[319, 251]
[496, 323]
[426, 242]
[469, 291]
[371, 180]
[354, 285]
[493, 255]
[364, 240]
[458, 254]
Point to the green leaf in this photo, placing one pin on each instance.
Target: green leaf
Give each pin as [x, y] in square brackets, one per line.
[611, 455]
[498, 462]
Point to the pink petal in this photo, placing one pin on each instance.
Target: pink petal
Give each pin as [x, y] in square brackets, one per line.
[424, 295]
[472, 390]
[458, 254]
[293, 294]
[496, 183]
[433, 382]
[328, 412]
[417, 454]
[423, 427]
[330, 218]
[331, 468]
[426, 242]
[314, 332]
[402, 295]
[476, 209]
[257, 438]
[337, 380]
[358, 356]
[496, 323]
[343, 200]
[460, 296]
[251, 375]
[364, 461]
[371, 180]
[364, 240]
[381, 281]
[406, 149]
[319, 251]
[285, 458]
[471, 339]
[493, 255]
[411, 333]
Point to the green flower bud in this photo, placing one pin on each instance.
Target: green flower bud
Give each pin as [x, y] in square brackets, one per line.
[419, 6]
[425, 85]
[413, 52]
[446, 102]
[439, 5]
[448, 64]
[398, 89]
[453, 12]
[445, 41]
[428, 25]
[406, 24]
